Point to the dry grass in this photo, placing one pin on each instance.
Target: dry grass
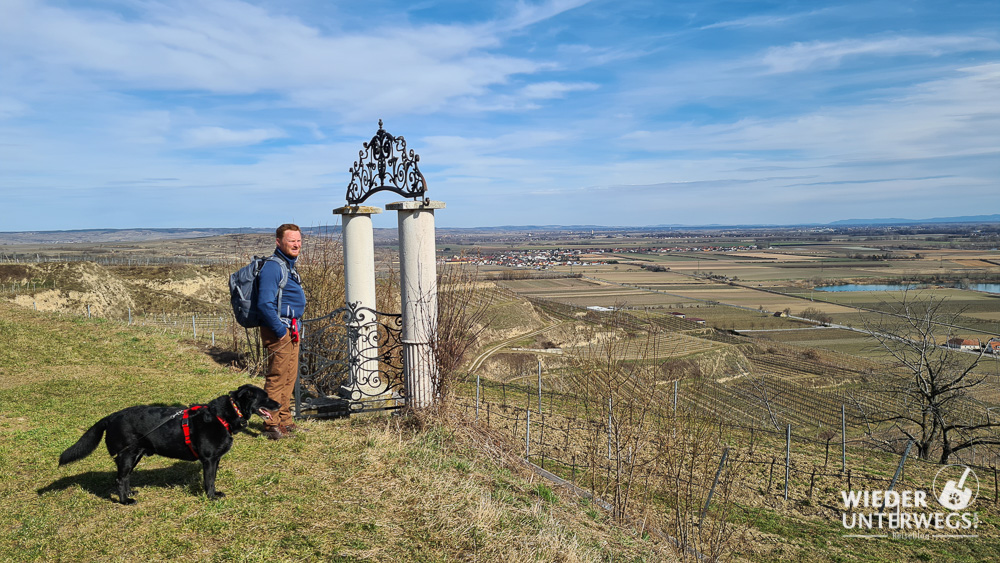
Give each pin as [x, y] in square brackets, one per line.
[369, 489]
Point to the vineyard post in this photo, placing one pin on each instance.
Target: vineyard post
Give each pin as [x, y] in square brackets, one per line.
[539, 386]
[722, 462]
[843, 438]
[675, 396]
[899, 470]
[609, 428]
[788, 456]
[527, 435]
[130, 316]
[996, 489]
[477, 396]
[770, 475]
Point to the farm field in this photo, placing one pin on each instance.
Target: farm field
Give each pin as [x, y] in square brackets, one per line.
[751, 374]
[785, 278]
[668, 290]
[588, 292]
[979, 311]
[834, 339]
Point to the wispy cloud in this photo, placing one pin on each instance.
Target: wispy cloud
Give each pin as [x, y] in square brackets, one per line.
[222, 137]
[229, 47]
[558, 111]
[815, 55]
[529, 13]
[766, 20]
[552, 90]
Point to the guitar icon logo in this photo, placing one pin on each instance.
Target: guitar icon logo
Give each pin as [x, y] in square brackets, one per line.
[954, 495]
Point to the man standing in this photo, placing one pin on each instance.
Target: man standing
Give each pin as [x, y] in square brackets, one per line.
[281, 307]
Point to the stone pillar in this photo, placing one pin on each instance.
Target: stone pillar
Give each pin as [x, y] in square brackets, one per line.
[359, 291]
[418, 292]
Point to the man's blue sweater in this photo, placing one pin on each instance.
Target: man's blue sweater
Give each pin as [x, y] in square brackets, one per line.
[293, 299]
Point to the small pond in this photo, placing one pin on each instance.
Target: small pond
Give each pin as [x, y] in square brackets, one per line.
[984, 287]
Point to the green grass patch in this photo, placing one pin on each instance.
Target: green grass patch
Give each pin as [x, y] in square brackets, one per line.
[371, 489]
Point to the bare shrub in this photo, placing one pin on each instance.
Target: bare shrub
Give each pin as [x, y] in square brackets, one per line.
[656, 464]
[464, 312]
[689, 458]
[680, 368]
[816, 315]
[827, 436]
[811, 355]
[621, 394]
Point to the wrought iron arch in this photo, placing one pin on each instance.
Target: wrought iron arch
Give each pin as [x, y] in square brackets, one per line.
[385, 165]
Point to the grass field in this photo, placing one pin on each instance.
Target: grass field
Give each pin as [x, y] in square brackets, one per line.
[368, 489]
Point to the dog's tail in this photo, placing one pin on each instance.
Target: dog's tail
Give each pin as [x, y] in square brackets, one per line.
[86, 444]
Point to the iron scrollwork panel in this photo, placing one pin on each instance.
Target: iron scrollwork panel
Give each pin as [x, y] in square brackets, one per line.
[384, 164]
[355, 353]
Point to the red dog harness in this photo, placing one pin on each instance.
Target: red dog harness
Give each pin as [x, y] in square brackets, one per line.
[187, 429]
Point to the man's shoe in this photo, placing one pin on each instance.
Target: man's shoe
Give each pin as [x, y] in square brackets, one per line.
[273, 433]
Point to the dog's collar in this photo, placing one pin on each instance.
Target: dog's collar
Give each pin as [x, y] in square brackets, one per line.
[236, 408]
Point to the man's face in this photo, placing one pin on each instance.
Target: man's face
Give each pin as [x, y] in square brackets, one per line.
[290, 243]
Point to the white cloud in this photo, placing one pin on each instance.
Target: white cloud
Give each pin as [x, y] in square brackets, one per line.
[815, 55]
[549, 90]
[659, 126]
[231, 47]
[222, 137]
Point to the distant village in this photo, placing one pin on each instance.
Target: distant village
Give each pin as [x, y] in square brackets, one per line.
[547, 258]
[969, 345]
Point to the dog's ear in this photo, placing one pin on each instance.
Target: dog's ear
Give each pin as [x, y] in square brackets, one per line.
[240, 395]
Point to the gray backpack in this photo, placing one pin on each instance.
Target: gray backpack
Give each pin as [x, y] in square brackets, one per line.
[243, 288]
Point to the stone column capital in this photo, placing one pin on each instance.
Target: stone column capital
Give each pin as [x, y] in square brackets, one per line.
[357, 210]
[414, 205]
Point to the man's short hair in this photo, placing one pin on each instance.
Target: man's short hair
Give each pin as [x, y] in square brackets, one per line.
[280, 233]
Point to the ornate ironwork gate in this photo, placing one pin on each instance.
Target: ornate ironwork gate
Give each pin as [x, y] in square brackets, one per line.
[350, 361]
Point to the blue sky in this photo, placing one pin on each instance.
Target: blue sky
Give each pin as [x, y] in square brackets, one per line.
[142, 113]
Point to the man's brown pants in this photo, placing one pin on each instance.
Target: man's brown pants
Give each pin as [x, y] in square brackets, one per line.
[282, 371]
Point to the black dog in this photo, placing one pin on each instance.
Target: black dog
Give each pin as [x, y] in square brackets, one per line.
[202, 432]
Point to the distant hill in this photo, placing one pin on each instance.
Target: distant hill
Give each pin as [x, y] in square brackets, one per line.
[995, 218]
[117, 235]
[140, 235]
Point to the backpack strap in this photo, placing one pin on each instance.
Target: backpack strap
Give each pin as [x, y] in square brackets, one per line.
[284, 278]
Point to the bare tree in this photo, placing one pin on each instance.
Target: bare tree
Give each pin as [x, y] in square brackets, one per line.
[932, 403]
